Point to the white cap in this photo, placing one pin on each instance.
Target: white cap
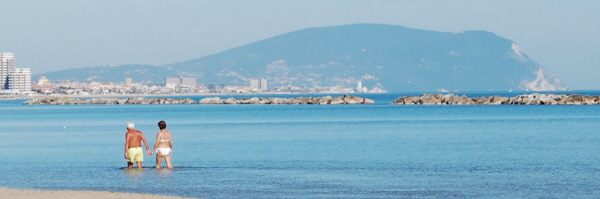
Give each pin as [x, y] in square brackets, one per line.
[130, 125]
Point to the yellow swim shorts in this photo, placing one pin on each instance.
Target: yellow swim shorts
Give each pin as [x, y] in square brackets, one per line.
[135, 154]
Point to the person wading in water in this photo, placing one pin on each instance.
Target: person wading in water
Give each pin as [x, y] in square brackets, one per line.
[133, 146]
[163, 145]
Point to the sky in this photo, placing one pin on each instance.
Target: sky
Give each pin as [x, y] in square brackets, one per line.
[563, 36]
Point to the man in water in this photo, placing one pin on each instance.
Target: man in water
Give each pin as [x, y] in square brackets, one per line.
[133, 146]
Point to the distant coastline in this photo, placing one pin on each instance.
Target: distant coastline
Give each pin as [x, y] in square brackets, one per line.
[15, 97]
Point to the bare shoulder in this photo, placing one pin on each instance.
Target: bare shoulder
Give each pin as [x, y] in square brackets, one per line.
[134, 133]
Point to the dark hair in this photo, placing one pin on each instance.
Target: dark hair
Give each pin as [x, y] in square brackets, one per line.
[162, 125]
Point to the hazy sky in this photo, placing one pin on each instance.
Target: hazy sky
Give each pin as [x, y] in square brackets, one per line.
[563, 36]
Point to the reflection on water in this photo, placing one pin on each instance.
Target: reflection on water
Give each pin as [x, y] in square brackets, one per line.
[134, 173]
[164, 172]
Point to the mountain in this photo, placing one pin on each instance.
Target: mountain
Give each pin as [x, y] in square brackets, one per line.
[393, 57]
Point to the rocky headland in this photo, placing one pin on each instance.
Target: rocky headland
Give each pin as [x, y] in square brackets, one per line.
[526, 99]
[408, 59]
[346, 99]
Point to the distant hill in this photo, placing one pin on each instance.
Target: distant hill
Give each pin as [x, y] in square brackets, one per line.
[394, 57]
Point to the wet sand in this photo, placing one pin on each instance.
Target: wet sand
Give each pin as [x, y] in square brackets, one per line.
[68, 194]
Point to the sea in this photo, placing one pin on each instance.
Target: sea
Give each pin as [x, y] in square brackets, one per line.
[311, 151]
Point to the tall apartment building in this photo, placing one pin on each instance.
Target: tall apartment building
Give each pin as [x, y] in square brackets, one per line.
[7, 64]
[254, 83]
[263, 84]
[260, 84]
[20, 79]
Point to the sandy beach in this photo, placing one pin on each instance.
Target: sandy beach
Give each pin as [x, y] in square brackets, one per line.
[68, 194]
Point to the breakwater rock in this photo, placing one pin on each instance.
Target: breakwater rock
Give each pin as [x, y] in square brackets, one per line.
[107, 101]
[526, 99]
[346, 99]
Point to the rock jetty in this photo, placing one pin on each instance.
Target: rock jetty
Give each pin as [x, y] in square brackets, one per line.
[107, 101]
[346, 99]
[526, 99]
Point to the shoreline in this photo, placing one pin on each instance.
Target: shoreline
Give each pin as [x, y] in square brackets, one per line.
[15, 193]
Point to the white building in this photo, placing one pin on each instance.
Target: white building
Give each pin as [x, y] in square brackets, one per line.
[361, 88]
[43, 80]
[172, 82]
[7, 64]
[263, 84]
[259, 84]
[190, 81]
[20, 79]
[254, 83]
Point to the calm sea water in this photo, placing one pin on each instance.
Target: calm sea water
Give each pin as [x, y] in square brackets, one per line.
[311, 151]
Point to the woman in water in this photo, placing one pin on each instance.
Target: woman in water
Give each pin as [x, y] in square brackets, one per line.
[163, 145]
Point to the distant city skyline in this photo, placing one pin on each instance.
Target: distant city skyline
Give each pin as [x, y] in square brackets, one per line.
[49, 36]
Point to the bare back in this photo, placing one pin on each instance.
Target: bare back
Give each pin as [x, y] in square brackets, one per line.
[164, 139]
[134, 138]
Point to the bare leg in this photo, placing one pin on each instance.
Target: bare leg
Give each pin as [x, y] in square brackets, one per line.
[158, 160]
[139, 165]
[168, 160]
[130, 165]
